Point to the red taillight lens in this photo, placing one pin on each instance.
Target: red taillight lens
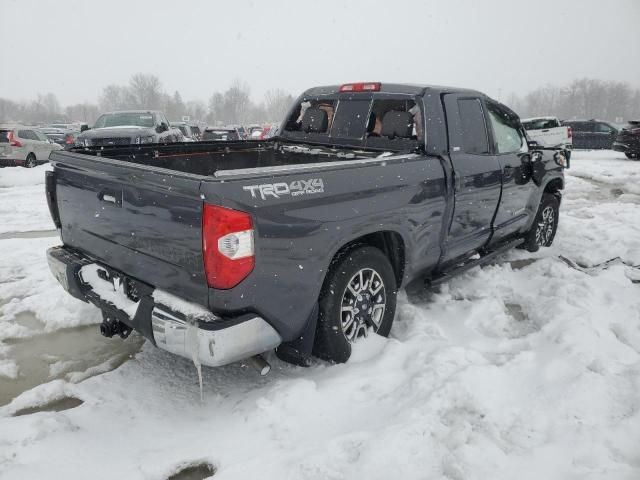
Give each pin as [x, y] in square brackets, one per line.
[13, 141]
[227, 246]
[68, 139]
[570, 132]
[360, 87]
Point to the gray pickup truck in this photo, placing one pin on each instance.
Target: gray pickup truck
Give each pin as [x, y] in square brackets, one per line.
[222, 251]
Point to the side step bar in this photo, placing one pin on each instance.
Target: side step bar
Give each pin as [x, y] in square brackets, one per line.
[444, 277]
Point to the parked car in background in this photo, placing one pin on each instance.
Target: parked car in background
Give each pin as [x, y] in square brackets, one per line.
[128, 128]
[64, 137]
[252, 129]
[256, 133]
[25, 146]
[628, 140]
[187, 131]
[269, 131]
[196, 131]
[592, 134]
[224, 134]
[548, 132]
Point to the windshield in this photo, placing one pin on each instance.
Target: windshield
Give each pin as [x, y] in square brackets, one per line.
[124, 120]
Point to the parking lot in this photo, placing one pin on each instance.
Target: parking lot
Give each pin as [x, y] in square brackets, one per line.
[496, 374]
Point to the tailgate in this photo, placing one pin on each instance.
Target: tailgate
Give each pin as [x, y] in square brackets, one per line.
[550, 137]
[143, 221]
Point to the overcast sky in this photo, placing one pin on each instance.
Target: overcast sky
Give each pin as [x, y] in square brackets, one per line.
[74, 48]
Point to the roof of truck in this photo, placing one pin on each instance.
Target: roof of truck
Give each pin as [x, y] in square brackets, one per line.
[406, 88]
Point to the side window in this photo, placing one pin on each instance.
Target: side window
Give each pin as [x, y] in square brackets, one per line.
[505, 129]
[474, 128]
[27, 135]
[603, 128]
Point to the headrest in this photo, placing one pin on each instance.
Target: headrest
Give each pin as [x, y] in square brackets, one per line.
[397, 124]
[315, 120]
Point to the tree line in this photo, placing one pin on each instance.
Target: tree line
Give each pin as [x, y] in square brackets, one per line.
[582, 98]
[231, 106]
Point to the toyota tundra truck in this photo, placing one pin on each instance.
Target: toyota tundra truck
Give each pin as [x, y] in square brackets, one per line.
[219, 252]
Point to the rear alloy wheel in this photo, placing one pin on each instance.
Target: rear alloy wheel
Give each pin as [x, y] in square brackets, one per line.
[544, 227]
[358, 298]
[363, 304]
[30, 162]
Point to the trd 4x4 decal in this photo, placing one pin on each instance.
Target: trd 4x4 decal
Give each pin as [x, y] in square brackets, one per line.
[295, 188]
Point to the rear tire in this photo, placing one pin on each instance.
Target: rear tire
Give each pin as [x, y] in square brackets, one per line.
[30, 162]
[632, 156]
[545, 225]
[358, 298]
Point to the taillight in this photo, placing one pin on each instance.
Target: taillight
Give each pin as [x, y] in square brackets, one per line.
[360, 87]
[227, 246]
[68, 139]
[13, 141]
[570, 132]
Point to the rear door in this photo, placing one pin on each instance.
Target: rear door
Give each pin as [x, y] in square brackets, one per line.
[510, 147]
[477, 175]
[143, 221]
[603, 135]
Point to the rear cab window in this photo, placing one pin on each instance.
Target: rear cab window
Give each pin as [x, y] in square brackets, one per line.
[380, 121]
[541, 124]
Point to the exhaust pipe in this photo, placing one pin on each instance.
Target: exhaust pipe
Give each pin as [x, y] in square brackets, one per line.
[260, 364]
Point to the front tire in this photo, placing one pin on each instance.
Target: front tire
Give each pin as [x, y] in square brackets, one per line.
[30, 162]
[545, 225]
[358, 298]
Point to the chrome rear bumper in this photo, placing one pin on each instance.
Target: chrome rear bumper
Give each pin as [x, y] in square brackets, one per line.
[211, 346]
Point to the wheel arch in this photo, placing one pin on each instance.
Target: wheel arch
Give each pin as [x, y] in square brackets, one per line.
[390, 242]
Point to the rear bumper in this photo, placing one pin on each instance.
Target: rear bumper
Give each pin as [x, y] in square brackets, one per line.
[182, 328]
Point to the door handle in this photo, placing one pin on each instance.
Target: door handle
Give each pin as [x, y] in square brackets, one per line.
[111, 196]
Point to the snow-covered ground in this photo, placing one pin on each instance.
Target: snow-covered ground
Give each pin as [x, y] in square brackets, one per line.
[528, 368]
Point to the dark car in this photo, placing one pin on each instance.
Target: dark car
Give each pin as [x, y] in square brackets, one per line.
[221, 134]
[131, 127]
[628, 140]
[592, 134]
[218, 251]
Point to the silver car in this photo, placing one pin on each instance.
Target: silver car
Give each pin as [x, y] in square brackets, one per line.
[26, 146]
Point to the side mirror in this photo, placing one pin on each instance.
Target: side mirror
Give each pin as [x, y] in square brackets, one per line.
[163, 127]
[84, 128]
[533, 145]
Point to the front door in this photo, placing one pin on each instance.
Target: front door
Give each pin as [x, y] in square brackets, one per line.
[510, 147]
[477, 176]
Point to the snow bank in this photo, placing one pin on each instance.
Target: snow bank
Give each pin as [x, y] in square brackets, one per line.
[20, 176]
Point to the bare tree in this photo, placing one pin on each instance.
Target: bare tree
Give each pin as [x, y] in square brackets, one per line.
[145, 91]
[276, 104]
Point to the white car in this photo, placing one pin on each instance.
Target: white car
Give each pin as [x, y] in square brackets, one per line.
[548, 132]
[25, 146]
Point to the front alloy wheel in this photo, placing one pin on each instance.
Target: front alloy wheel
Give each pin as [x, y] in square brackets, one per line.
[363, 304]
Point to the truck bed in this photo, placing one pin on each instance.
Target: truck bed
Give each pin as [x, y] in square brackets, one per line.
[209, 158]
